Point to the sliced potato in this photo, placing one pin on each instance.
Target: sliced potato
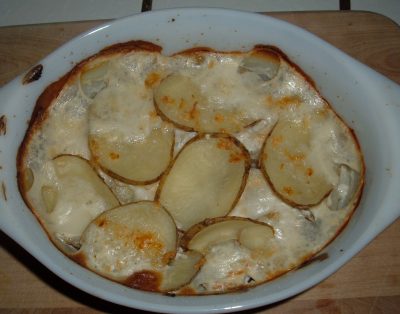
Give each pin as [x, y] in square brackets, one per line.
[250, 233]
[134, 163]
[75, 197]
[205, 180]
[181, 271]
[178, 99]
[287, 163]
[129, 239]
[265, 63]
[126, 138]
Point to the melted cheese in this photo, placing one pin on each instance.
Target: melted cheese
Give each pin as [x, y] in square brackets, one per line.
[129, 80]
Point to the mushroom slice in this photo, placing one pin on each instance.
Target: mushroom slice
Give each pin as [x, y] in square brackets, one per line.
[250, 233]
[75, 197]
[179, 100]
[130, 243]
[181, 270]
[344, 192]
[93, 78]
[126, 137]
[288, 165]
[205, 180]
[264, 62]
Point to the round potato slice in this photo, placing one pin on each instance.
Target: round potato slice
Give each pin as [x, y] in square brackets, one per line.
[288, 163]
[75, 197]
[205, 180]
[250, 233]
[130, 243]
[126, 137]
[179, 100]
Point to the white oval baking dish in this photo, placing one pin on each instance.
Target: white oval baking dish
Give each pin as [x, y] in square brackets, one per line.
[369, 102]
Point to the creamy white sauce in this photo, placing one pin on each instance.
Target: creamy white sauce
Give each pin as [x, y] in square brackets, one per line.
[288, 95]
[253, 137]
[127, 193]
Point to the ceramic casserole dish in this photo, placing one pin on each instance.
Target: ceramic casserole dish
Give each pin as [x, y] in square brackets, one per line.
[368, 102]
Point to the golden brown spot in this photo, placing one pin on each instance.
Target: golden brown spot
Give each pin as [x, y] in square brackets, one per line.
[146, 240]
[114, 156]
[323, 112]
[294, 157]
[153, 114]
[288, 190]
[224, 143]
[146, 280]
[277, 140]
[193, 113]
[233, 273]
[236, 157]
[121, 232]
[309, 172]
[217, 286]
[168, 100]
[93, 144]
[199, 59]
[80, 258]
[167, 257]
[288, 101]
[219, 118]
[101, 222]
[281, 166]
[272, 215]
[211, 64]
[152, 79]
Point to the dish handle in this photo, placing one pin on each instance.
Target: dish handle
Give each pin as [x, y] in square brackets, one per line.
[391, 209]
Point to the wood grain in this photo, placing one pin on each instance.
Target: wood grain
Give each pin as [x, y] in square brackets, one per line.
[369, 283]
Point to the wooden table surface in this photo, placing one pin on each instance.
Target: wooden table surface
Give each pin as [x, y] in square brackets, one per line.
[369, 283]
